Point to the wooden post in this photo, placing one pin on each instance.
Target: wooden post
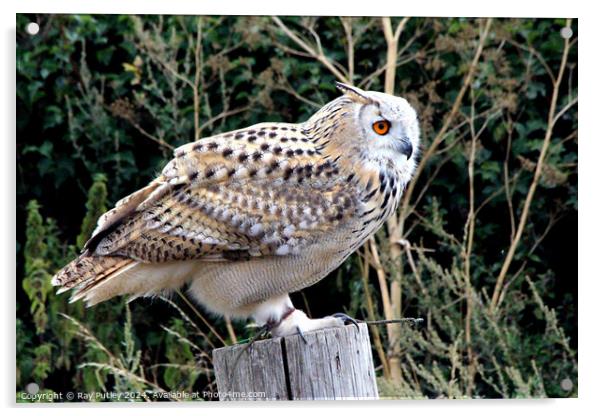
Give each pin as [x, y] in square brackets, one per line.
[335, 363]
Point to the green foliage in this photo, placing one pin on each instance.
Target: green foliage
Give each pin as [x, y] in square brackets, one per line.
[42, 357]
[102, 100]
[37, 286]
[34, 245]
[36, 282]
[95, 207]
[184, 370]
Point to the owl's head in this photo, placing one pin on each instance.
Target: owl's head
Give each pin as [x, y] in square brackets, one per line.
[388, 126]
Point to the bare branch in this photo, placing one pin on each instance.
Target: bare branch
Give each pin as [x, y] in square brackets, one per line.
[446, 124]
[382, 280]
[348, 28]
[392, 42]
[318, 55]
[538, 169]
[564, 110]
[146, 134]
[230, 329]
[222, 115]
[197, 77]
[535, 53]
[365, 272]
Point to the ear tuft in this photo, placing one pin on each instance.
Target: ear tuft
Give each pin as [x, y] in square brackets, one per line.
[354, 93]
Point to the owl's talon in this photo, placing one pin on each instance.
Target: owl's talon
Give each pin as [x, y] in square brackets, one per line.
[346, 319]
[300, 333]
[264, 330]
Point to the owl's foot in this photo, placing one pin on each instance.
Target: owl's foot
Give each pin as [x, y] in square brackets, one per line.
[346, 319]
[278, 316]
[297, 322]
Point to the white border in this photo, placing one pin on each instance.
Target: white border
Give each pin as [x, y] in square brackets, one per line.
[506, 8]
[590, 277]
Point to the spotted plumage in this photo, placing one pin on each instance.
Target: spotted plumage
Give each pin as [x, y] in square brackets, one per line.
[248, 216]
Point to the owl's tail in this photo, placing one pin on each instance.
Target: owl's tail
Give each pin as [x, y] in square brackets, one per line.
[87, 272]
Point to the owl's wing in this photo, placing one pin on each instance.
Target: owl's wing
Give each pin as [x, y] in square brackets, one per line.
[261, 191]
[230, 221]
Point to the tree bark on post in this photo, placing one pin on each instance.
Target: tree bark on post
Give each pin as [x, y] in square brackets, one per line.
[334, 363]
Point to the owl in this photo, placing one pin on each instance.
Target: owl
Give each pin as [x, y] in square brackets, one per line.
[247, 217]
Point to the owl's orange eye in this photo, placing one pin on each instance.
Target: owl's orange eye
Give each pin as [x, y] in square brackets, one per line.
[381, 127]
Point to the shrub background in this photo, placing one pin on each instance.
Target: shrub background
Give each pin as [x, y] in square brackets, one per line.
[103, 100]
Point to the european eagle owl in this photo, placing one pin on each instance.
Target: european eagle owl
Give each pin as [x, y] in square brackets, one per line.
[246, 217]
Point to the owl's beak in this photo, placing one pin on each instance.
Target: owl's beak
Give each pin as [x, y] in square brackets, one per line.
[405, 147]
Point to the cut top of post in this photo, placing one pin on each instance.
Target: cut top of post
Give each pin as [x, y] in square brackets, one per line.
[334, 363]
